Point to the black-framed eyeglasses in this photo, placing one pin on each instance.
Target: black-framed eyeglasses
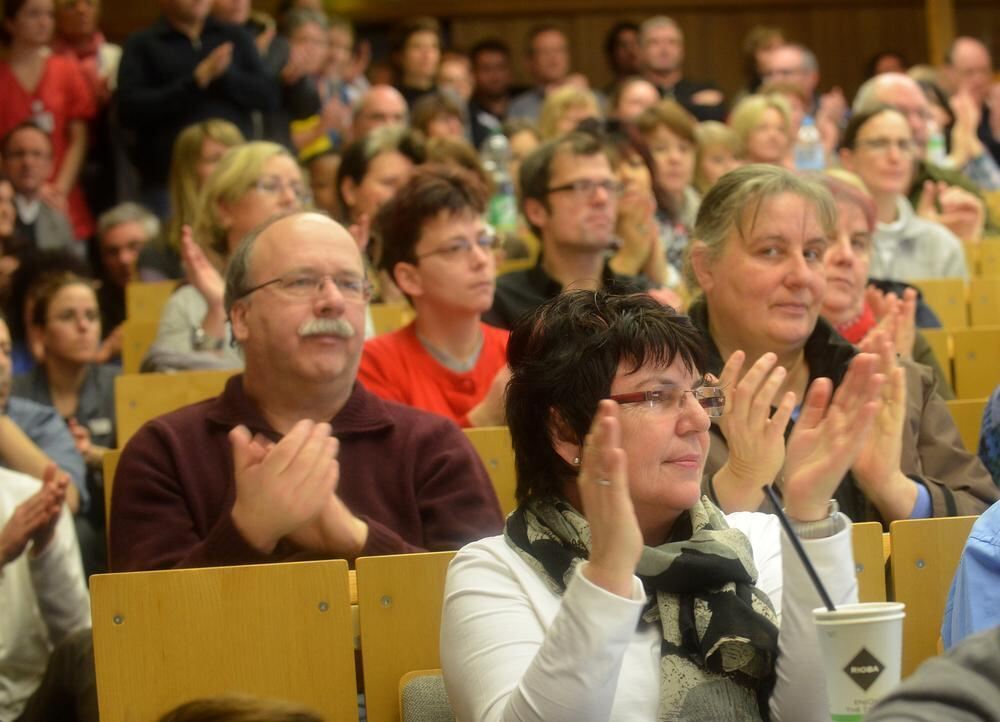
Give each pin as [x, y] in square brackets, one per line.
[306, 284]
[488, 241]
[671, 398]
[585, 188]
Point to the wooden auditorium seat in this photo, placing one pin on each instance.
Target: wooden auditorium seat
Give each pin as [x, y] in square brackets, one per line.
[144, 300]
[976, 361]
[968, 416]
[282, 631]
[947, 297]
[137, 337]
[493, 445]
[869, 560]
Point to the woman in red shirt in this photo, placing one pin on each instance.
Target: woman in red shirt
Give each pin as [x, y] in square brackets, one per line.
[49, 89]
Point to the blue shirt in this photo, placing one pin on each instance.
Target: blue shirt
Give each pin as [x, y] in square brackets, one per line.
[44, 426]
[974, 601]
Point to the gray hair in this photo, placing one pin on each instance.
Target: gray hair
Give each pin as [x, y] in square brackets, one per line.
[736, 199]
[299, 17]
[867, 97]
[809, 62]
[128, 213]
[657, 21]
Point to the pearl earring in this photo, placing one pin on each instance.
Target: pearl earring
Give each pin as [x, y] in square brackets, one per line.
[576, 461]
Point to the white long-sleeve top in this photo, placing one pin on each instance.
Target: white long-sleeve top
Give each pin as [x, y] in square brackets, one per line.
[43, 598]
[513, 650]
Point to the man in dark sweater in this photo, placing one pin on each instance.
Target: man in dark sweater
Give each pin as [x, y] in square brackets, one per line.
[296, 460]
[185, 68]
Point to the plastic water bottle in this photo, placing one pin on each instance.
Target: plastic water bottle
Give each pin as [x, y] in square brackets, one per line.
[501, 213]
[937, 149]
[809, 151]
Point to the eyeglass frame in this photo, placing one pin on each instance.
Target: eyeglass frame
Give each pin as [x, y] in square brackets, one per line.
[704, 392]
[322, 278]
[302, 193]
[465, 247]
[585, 187]
[905, 146]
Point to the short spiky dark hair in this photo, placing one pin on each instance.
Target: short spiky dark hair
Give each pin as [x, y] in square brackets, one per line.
[563, 359]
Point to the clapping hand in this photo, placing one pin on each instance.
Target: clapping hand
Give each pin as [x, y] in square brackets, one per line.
[616, 540]
[34, 520]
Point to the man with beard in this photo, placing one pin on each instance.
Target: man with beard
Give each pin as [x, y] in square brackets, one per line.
[569, 195]
[295, 459]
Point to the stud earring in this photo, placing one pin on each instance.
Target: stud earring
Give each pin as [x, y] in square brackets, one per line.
[576, 461]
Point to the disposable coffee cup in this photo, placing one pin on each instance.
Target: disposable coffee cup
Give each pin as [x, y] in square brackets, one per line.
[862, 647]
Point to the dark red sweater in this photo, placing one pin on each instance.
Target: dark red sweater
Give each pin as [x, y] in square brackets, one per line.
[411, 475]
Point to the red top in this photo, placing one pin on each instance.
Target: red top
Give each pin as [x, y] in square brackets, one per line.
[61, 97]
[397, 367]
[857, 329]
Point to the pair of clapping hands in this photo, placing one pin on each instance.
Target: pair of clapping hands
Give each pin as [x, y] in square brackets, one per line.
[34, 520]
[288, 490]
[857, 427]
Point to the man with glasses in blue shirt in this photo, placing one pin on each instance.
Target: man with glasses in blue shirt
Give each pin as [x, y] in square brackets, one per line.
[440, 253]
[569, 196]
[295, 460]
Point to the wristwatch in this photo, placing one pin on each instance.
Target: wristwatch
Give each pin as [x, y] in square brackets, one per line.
[833, 524]
[201, 341]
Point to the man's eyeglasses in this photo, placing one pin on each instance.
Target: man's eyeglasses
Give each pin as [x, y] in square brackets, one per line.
[462, 247]
[306, 284]
[670, 399]
[584, 188]
[273, 186]
[882, 145]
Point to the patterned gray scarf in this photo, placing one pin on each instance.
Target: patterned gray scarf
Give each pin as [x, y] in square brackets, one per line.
[720, 633]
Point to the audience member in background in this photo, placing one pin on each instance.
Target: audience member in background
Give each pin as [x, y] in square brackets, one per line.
[669, 131]
[49, 90]
[491, 73]
[886, 61]
[717, 151]
[524, 139]
[78, 36]
[564, 109]
[441, 254]
[32, 436]
[662, 46]
[438, 115]
[849, 305]
[322, 169]
[296, 460]
[240, 709]
[252, 183]
[989, 436]
[971, 69]
[458, 153]
[945, 195]
[197, 151]
[8, 221]
[44, 592]
[27, 162]
[617, 591]
[879, 148]
[761, 236]
[547, 59]
[333, 85]
[569, 195]
[454, 75]
[973, 604]
[798, 102]
[762, 125]
[416, 49]
[302, 123]
[185, 68]
[621, 51]
[66, 320]
[757, 45]
[630, 97]
[643, 201]
[122, 233]
[381, 105]
[371, 171]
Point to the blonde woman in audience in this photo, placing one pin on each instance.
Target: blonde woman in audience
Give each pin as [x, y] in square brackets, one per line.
[564, 109]
[757, 259]
[763, 127]
[252, 183]
[716, 156]
[669, 132]
[196, 152]
[853, 308]
[878, 146]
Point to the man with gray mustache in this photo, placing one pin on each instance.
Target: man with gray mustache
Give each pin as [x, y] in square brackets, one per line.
[296, 459]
